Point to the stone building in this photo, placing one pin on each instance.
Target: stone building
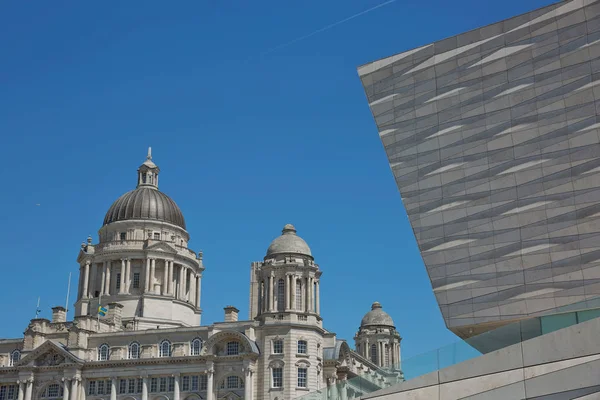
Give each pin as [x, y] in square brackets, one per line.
[151, 345]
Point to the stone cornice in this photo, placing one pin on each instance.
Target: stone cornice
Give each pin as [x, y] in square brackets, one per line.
[168, 361]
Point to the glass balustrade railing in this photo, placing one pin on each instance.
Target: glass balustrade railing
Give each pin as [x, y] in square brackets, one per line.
[458, 352]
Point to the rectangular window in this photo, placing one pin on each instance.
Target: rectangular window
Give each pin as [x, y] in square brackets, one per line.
[277, 346]
[203, 382]
[302, 375]
[100, 387]
[185, 383]
[122, 386]
[108, 387]
[131, 386]
[53, 390]
[123, 235]
[153, 385]
[12, 391]
[302, 347]
[163, 385]
[233, 348]
[171, 384]
[92, 388]
[140, 385]
[3, 393]
[136, 280]
[156, 235]
[194, 383]
[118, 285]
[277, 377]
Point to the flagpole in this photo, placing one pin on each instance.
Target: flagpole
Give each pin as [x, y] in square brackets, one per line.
[98, 309]
[68, 292]
[37, 309]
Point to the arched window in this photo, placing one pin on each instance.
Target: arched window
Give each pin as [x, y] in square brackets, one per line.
[133, 351]
[374, 353]
[281, 295]
[103, 352]
[298, 295]
[164, 349]
[15, 356]
[195, 347]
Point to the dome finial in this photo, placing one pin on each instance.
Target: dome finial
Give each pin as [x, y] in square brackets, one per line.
[149, 156]
[288, 229]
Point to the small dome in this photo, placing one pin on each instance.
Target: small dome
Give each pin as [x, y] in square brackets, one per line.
[377, 317]
[145, 203]
[288, 243]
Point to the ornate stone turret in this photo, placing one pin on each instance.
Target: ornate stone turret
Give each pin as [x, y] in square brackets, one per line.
[285, 286]
[377, 338]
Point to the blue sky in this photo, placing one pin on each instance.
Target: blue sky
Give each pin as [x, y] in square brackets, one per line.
[246, 142]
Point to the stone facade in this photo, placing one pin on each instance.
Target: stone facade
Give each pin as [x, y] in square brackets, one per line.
[150, 344]
[493, 139]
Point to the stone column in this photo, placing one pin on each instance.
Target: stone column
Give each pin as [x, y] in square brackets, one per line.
[176, 395]
[21, 392]
[122, 280]
[293, 292]
[144, 388]
[113, 388]
[311, 297]
[318, 299]
[93, 280]
[165, 283]
[198, 289]
[333, 389]
[103, 279]
[74, 388]
[272, 293]
[248, 392]
[192, 296]
[107, 290]
[147, 276]
[209, 384]
[184, 286]
[28, 389]
[170, 289]
[65, 388]
[180, 291]
[343, 389]
[152, 274]
[86, 279]
[128, 276]
[82, 386]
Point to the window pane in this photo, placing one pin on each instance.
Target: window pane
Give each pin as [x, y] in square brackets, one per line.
[136, 280]
[194, 383]
[302, 346]
[302, 375]
[277, 377]
[277, 346]
[185, 383]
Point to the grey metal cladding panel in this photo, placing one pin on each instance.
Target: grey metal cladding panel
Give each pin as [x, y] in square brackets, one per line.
[493, 137]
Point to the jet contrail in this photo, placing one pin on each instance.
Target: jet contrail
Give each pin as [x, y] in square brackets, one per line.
[281, 46]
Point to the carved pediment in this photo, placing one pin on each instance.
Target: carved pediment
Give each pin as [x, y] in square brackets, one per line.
[49, 359]
[162, 247]
[48, 354]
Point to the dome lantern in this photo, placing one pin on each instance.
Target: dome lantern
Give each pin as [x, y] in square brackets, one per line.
[148, 172]
[146, 202]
